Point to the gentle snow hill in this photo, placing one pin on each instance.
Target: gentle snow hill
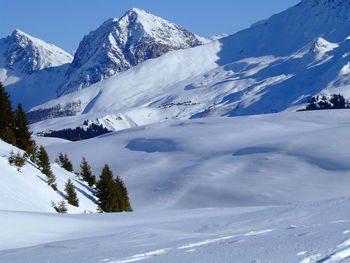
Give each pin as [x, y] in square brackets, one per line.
[251, 72]
[27, 190]
[277, 159]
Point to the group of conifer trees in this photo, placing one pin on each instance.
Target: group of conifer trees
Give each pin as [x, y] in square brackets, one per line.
[14, 126]
[111, 192]
[14, 129]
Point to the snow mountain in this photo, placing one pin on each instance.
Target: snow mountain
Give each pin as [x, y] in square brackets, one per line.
[119, 44]
[275, 65]
[35, 72]
[22, 54]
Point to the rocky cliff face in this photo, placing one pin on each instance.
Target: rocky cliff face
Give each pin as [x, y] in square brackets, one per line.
[119, 44]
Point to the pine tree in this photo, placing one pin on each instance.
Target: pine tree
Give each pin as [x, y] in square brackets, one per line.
[123, 196]
[45, 167]
[60, 159]
[63, 161]
[67, 164]
[60, 207]
[32, 152]
[8, 135]
[106, 191]
[86, 173]
[7, 117]
[21, 130]
[18, 159]
[71, 194]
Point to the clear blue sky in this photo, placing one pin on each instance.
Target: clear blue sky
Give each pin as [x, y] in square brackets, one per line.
[65, 22]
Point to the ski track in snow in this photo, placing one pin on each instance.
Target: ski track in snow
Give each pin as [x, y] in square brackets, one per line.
[341, 253]
[188, 248]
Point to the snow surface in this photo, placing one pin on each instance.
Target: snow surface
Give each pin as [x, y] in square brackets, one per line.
[268, 188]
[317, 232]
[276, 159]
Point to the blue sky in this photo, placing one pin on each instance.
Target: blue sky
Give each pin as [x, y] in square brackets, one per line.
[65, 22]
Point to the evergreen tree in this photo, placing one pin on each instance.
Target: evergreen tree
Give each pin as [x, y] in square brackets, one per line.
[123, 196]
[86, 173]
[63, 161]
[67, 164]
[45, 167]
[32, 152]
[8, 135]
[71, 194]
[106, 191]
[60, 207]
[21, 130]
[60, 159]
[7, 117]
[17, 159]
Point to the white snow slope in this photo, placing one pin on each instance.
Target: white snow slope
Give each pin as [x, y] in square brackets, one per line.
[268, 188]
[216, 162]
[27, 189]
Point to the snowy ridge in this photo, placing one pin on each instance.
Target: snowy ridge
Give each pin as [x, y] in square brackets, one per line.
[27, 190]
[248, 86]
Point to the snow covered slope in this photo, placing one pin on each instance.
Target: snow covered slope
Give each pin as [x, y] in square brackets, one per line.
[119, 44]
[313, 233]
[268, 188]
[27, 190]
[273, 66]
[276, 159]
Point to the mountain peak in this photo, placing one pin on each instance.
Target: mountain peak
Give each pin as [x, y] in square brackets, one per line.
[23, 54]
[19, 32]
[119, 44]
[137, 11]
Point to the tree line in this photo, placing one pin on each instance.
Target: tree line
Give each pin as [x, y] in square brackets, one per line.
[111, 191]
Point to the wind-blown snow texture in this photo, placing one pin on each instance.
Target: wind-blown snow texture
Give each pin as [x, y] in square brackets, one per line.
[273, 66]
